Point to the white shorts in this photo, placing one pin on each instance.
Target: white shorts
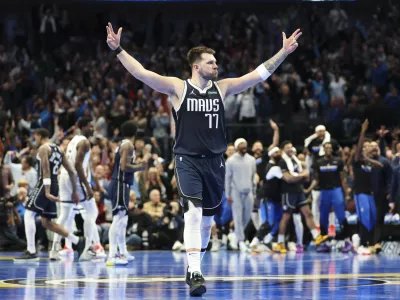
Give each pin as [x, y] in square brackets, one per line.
[66, 189]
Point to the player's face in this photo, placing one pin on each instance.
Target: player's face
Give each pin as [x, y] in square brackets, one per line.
[328, 149]
[230, 151]
[207, 67]
[321, 134]
[374, 149]
[277, 155]
[366, 148]
[88, 130]
[288, 149]
[242, 148]
[257, 148]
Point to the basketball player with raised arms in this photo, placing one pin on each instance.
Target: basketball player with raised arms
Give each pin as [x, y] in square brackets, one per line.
[200, 136]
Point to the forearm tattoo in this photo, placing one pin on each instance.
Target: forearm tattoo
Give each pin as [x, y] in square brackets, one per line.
[274, 62]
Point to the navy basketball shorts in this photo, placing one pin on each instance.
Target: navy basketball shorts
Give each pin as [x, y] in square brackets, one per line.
[291, 202]
[39, 203]
[201, 180]
[118, 192]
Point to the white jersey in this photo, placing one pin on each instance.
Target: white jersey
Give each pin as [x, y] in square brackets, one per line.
[71, 157]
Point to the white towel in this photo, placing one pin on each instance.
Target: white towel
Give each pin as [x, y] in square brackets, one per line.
[289, 163]
[327, 138]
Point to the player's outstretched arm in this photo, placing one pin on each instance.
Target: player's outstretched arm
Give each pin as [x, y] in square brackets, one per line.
[275, 138]
[360, 145]
[231, 86]
[166, 85]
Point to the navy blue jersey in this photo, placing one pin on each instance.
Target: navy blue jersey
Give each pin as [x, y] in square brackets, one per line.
[200, 121]
[55, 161]
[117, 173]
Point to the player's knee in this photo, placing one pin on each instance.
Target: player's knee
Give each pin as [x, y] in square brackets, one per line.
[46, 223]
[193, 216]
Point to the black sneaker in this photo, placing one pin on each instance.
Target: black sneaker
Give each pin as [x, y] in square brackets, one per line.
[197, 287]
[26, 257]
[187, 276]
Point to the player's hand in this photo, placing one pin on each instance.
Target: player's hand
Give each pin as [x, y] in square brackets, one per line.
[52, 197]
[75, 198]
[306, 191]
[273, 125]
[113, 38]
[89, 193]
[290, 44]
[364, 126]
[230, 201]
[347, 198]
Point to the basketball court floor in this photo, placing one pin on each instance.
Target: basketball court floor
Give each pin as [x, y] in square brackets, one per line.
[229, 275]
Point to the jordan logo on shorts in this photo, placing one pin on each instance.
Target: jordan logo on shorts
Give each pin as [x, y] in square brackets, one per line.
[222, 165]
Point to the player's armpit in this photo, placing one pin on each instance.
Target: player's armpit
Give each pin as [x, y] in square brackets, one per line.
[233, 86]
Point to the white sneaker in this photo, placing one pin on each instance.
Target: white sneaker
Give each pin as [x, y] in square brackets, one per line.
[99, 250]
[215, 246]
[363, 250]
[242, 246]
[254, 242]
[232, 241]
[177, 246]
[116, 261]
[66, 251]
[54, 255]
[87, 254]
[183, 248]
[127, 257]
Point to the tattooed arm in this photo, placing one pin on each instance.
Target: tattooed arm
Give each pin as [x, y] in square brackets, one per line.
[232, 86]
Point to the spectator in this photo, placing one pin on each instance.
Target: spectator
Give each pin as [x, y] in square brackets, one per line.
[154, 207]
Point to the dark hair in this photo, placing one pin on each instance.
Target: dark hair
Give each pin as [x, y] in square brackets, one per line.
[43, 133]
[29, 160]
[83, 122]
[327, 143]
[195, 53]
[284, 143]
[128, 129]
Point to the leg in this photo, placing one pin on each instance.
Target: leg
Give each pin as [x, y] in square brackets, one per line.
[65, 218]
[30, 230]
[298, 225]
[192, 236]
[325, 208]
[306, 211]
[237, 211]
[316, 200]
[121, 240]
[89, 217]
[206, 225]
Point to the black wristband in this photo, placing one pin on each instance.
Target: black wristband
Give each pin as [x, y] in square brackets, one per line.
[118, 50]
